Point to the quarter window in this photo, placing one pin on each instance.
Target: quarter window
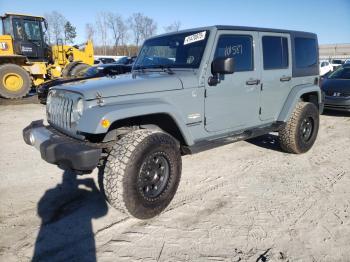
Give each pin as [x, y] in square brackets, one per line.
[275, 52]
[240, 47]
[305, 52]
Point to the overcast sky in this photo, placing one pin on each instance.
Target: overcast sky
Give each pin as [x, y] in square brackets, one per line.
[329, 19]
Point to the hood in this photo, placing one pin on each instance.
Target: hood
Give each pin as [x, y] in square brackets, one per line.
[128, 84]
[336, 85]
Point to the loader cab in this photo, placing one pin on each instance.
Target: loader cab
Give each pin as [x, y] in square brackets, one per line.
[28, 34]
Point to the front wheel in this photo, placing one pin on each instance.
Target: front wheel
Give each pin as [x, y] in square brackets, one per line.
[300, 132]
[15, 82]
[142, 173]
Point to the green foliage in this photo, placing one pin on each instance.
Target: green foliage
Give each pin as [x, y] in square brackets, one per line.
[69, 32]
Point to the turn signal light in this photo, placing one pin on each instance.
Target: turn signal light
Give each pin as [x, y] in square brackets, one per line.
[105, 123]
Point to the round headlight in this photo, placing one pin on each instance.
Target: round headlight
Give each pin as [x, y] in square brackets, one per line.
[80, 107]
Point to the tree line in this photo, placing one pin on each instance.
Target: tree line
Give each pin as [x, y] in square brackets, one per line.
[111, 33]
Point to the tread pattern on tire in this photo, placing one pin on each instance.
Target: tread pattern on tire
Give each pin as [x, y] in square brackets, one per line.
[288, 134]
[115, 170]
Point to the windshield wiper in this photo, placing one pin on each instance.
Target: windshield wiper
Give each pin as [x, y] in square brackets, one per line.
[165, 68]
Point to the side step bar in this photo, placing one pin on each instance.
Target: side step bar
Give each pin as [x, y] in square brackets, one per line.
[208, 144]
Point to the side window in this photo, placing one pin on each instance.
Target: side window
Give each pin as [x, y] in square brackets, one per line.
[275, 52]
[18, 29]
[7, 26]
[323, 64]
[305, 52]
[240, 47]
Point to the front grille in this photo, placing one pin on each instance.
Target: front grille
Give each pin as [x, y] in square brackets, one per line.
[60, 109]
[337, 94]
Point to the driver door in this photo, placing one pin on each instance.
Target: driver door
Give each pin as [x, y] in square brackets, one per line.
[233, 103]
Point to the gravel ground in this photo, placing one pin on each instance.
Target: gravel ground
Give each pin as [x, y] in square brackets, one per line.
[246, 201]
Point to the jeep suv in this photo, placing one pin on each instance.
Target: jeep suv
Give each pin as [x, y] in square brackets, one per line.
[189, 91]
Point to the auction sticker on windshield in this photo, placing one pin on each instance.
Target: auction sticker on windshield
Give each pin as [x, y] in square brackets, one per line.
[194, 38]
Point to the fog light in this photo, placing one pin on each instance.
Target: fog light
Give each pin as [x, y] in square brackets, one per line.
[105, 123]
[31, 139]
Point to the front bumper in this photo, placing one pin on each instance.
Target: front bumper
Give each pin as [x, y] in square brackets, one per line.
[337, 103]
[58, 149]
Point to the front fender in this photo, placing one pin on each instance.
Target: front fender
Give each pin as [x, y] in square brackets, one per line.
[92, 117]
[294, 97]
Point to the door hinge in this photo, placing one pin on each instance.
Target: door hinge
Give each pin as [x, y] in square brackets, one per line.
[205, 92]
[205, 121]
[260, 111]
[261, 87]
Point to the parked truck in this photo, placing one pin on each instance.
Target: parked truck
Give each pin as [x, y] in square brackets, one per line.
[189, 91]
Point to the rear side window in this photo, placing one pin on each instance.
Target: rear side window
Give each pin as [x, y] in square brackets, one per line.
[275, 52]
[240, 47]
[305, 52]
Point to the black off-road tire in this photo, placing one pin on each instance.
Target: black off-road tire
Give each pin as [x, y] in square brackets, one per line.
[122, 172]
[292, 137]
[77, 68]
[7, 69]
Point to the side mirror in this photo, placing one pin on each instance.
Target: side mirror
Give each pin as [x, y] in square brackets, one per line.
[221, 66]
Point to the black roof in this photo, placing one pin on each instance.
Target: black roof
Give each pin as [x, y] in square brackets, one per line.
[259, 29]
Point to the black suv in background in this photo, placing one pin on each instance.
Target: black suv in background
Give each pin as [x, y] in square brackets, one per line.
[336, 87]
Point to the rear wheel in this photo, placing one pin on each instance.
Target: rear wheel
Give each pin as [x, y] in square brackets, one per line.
[142, 173]
[15, 82]
[300, 132]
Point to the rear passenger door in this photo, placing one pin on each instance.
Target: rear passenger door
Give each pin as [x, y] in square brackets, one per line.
[276, 73]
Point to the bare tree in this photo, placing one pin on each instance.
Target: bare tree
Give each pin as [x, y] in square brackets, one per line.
[56, 22]
[142, 27]
[149, 28]
[174, 27]
[118, 28]
[89, 31]
[102, 29]
[136, 26]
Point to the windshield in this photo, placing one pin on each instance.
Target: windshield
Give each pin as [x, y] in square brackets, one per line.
[89, 71]
[32, 30]
[340, 73]
[122, 60]
[183, 50]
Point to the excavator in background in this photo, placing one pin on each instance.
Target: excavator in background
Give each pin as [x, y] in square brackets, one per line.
[26, 60]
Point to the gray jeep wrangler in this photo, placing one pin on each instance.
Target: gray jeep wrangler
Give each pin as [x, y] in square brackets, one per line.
[188, 91]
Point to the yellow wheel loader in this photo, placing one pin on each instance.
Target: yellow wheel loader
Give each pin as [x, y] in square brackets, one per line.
[26, 60]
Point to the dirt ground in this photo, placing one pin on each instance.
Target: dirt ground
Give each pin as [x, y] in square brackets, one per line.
[246, 201]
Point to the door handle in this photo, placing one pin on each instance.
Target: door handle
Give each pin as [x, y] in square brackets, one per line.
[252, 82]
[285, 78]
